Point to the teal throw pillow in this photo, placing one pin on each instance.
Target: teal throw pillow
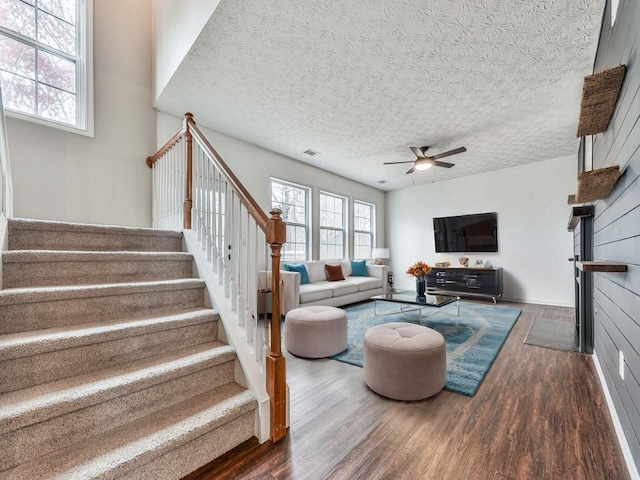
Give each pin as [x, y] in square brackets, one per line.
[301, 269]
[359, 269]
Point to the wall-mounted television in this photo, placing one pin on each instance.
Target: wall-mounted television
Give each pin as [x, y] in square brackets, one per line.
[466, 233]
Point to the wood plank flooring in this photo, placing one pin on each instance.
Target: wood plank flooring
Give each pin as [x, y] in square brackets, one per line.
[539, 414]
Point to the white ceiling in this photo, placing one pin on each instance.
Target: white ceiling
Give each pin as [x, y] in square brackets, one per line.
[360, 81]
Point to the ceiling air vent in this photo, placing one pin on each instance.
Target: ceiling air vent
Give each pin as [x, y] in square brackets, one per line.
[311, 153]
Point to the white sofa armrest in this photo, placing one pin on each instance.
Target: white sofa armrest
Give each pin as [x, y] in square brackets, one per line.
[379, 272]
[290, 291]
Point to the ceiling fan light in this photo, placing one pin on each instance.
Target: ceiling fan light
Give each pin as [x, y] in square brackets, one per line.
[422, 165]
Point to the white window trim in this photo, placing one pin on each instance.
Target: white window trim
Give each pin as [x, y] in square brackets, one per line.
[373, 223]
[344, 229]
[307, 226]
[84, 88]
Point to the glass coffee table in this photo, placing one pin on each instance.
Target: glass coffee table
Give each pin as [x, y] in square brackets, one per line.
[409, 301]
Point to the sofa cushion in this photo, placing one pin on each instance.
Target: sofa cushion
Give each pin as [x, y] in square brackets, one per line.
[313, 292]
[346, 267]
[365, 283]
[301, 269]
[334, 272]
[339, 288]
[316, 271]
[359, 269]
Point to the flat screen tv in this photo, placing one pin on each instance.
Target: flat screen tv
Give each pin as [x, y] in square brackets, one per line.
[466, 233]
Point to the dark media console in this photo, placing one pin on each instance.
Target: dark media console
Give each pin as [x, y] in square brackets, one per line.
[481, 282]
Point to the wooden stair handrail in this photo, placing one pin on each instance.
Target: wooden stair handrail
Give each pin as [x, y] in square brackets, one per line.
[274, 229]
[259, 216]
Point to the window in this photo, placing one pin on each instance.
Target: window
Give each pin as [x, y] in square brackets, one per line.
[615, 5]
[332, 226]
[43, 60]
[293, 200]
[363, 229]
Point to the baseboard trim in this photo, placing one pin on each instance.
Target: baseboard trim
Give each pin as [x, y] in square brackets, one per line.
[622, 440]
[538, 302]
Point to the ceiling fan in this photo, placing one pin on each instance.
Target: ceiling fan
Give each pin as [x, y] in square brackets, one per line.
[425, 163]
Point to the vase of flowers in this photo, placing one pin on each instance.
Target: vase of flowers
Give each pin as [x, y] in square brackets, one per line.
[420, 271]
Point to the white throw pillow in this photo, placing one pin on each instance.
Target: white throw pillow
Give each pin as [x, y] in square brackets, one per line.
[315, 269]
[346, 267]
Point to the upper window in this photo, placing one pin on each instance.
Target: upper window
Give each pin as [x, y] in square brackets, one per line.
[363, 229]
[43, 60]
[293, 200]
[615, 5]
[332, 226]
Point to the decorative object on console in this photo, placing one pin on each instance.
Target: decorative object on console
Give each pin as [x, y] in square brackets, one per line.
[420, 271]
[334, 272]
[479, 262]
[464, 261]
[379, 254]
[443, 264]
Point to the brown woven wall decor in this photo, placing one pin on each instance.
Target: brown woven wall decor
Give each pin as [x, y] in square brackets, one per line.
[599, 96]
[596, 184]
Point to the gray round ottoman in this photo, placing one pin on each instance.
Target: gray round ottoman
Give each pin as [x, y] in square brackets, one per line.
[404, 361]
[316, 331]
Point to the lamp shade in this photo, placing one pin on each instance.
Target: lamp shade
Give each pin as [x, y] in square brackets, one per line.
[380, 253]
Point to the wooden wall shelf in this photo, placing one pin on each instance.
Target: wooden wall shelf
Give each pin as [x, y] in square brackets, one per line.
[599, 97]
[611, 267]
[576, 213]
[596, 184]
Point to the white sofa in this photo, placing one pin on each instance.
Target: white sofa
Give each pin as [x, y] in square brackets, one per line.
[319, 291]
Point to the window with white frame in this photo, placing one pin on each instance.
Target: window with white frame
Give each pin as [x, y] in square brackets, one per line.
[43, 60]
[332, 226]
[363, 229]
[293, 200]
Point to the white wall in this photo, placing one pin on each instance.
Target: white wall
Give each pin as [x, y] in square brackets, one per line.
[177, 24]
[254, 166]
[533, 242]
[59, 175]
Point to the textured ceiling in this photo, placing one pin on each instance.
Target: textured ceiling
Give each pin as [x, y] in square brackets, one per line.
[360, 81]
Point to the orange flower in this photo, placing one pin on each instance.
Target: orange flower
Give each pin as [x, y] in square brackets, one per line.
[419, 270]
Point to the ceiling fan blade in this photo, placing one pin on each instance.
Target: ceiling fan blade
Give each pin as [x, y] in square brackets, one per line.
[417, 152]
[443, 164]
[449, 153]
[395, 163]
[411, 171]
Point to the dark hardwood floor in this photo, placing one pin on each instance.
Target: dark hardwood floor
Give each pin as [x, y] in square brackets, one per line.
[539, 414]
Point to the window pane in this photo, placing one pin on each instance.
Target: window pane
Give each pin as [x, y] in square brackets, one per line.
[57, 72]
[19, 17]
[64, 9]
[18, 93]
[56, 33]
[16, 57]
[56, 104]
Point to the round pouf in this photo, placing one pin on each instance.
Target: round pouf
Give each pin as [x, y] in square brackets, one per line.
[404, 361]
[316, 331]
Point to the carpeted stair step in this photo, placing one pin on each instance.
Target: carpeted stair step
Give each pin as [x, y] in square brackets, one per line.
[25, 309]
[41, 356]
[46, 235]
[167, 444]
[42, 419]
[39, 268]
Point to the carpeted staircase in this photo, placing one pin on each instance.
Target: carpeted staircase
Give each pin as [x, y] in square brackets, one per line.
[110, 366]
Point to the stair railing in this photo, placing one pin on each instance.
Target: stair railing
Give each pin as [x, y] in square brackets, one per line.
[6, 185]
[194, 190]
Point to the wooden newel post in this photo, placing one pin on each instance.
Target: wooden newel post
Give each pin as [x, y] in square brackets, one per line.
[188, 192]
[276, 235]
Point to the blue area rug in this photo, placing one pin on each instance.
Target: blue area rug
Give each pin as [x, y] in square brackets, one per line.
[473, 339]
